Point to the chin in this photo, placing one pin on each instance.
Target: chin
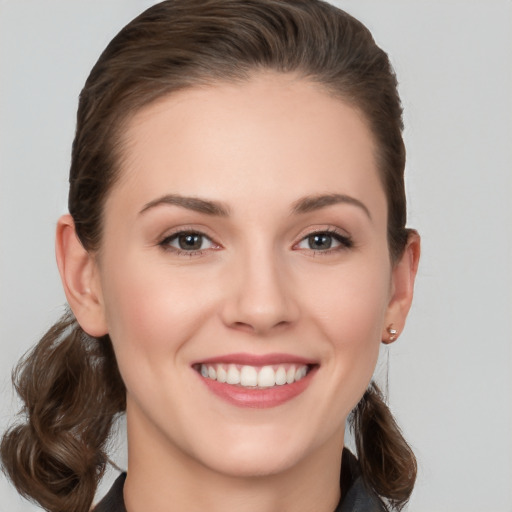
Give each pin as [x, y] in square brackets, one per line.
[264, 451]
[254, 462]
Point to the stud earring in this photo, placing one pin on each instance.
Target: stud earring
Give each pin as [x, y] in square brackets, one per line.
[392, 333]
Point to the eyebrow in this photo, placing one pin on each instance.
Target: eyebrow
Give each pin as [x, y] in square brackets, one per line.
[303, 205]
[190, 203]
[311, 203]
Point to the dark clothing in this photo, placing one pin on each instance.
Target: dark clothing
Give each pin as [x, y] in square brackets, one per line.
[113, 501]
[356, 496]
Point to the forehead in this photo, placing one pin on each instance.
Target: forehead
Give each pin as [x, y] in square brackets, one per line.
[274, 134]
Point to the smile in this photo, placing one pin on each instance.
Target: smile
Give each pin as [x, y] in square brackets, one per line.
[254, 376]
[256, 381]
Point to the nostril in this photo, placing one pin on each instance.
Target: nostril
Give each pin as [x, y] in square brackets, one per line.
[258, 304]
[258, 327]
[243, 327]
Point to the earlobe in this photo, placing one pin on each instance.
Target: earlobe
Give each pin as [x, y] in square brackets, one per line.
[402, 288]
[80, 279]
[391, 334]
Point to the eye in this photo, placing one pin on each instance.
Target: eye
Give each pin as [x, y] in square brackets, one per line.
[187, 241]
[325, 241]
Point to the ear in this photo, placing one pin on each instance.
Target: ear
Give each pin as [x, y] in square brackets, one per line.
[402, 288]
[80, 278]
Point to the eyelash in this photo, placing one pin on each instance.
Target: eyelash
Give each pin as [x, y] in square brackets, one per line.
[165, 243]
[345, 242]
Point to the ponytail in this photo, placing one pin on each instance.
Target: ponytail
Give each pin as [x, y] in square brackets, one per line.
[387, 463]
[72, 391]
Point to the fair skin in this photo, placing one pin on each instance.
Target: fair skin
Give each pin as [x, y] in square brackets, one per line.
[268, 276]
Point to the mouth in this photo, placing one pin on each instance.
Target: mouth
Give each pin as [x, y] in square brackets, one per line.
[256, 381]
[254, 377]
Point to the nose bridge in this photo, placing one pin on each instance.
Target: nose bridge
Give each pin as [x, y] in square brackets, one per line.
[260, 295]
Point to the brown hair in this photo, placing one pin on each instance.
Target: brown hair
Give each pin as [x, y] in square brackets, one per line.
[70, 382]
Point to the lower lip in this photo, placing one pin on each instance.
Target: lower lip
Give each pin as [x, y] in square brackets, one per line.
[258, 398]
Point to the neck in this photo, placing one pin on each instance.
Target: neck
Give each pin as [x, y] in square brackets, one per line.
[163, 478]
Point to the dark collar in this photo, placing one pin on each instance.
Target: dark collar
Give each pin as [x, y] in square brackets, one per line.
[113, 500]
[356, 496]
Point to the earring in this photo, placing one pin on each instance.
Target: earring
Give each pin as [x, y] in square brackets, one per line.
[392, 333]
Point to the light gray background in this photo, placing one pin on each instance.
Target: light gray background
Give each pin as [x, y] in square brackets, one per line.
[450, 373]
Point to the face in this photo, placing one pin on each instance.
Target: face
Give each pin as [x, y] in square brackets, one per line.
[244, 273]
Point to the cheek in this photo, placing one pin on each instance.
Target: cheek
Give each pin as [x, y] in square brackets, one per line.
[152, 313]
[349, 308]
[352, 299]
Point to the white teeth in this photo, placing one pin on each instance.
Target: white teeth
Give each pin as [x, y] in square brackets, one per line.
[266, 377]
[254, 376]
[233, 376]
[300, 373]
[222, 375]
[248, 376]
[281, 376]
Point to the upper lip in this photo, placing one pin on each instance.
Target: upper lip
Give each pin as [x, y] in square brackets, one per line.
[257, 359]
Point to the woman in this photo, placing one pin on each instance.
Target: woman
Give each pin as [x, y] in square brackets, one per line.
[234, 254]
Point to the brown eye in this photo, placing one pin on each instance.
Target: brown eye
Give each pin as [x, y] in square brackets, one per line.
[320, 241]
[325, 241]
[190, 241]
[187, 241]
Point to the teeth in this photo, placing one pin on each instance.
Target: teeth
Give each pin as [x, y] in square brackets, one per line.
[266, 377]
[281, 376]
[254, 376]
[299, 374]
[222, 374]
[248, 376]
[233, 376]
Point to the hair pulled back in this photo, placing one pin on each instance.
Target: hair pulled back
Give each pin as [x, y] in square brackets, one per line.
[70, 383]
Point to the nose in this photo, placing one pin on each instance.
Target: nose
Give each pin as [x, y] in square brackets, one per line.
[259, 295]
